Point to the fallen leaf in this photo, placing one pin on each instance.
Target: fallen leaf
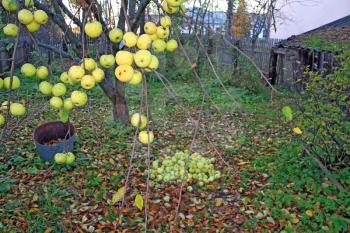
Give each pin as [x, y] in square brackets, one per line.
[139, 201]
[118, 195]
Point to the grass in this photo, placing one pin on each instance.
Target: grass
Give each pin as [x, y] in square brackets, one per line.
[273, 186]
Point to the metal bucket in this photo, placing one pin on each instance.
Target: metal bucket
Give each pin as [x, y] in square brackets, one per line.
[51, 131]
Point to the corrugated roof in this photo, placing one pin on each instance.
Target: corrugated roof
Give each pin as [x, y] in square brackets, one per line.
[342, 22]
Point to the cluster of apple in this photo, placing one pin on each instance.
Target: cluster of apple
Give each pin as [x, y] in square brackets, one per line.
[32, 21]
[173, 168]
[64, 158]
[140, 121]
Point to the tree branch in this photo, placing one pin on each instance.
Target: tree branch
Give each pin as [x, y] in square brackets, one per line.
[69, 14]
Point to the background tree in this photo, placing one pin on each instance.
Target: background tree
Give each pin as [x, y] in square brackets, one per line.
[241, 21]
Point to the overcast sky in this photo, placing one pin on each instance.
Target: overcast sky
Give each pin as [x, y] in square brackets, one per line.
[307, 16]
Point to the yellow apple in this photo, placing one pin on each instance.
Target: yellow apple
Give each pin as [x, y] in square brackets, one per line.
[144, 137]
[124, 73]
[10, 29]
[40, 17]
[165, 21]
[174, 3]
[143, 58]
[33, 26]
[98, 74]
[139, 121]
[162, 32]
[136, 78]
[28, 70]
[144, 41]
[79, 98]
[182, 10]
[29, 3]
[150, 28]
[45, 88]
[171, 45]
[60, 158]
[89, 64]
[154, 37]
[16, 83]
[87, 82]
[42, 72]
[124, 58]
[75, 73]
[64, 77]
[2, 120]
[9, 5]
[56, 102]
[115, 35]
[70, 158]
[4, 106]
[130, 39]
[153, 65]
[107, 61]
[93, 29]
[17, 109]
[59, 89]
[159, 45]
[68, 104]
[169, 9]
[25, 16]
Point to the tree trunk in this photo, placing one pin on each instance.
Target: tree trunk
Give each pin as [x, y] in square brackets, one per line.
[120, 106]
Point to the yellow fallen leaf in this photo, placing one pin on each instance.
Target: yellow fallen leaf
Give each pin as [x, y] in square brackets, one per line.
[35, 198]
[139, 201]
[48, 230]
[297, 130]
[294, 219]
[218, 201]
[118, 195]
[309, 213]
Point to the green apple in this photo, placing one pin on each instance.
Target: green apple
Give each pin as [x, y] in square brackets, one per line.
[165, 21]
[10, 29]
[68, 104]
[28, 70]
[115, 35]
[16, 83]
[33, 26]
[60, 158]
[142, 58]
[171, 45]
[45, 88]
[93, 29]
[87, 82]
[70, 158]
[2, 119]
[98, 75]
[75, 73]
[79, 98]
[42, 72]
[159, 45]
[25, 16]
[107, 61]
[139, 121]
[64, 77]
[9, 5]
[56, 102]
[59, 89]
[40, 17]
[1, 83]
[89, 64]
[17, 109]
[29, 3]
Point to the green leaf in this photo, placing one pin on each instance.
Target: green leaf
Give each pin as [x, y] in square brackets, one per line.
[139, 201]
[64, 115]
[288, 113]
[118, 195]
[9, 46]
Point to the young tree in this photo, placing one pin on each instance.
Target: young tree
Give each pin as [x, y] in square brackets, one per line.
[241, 24]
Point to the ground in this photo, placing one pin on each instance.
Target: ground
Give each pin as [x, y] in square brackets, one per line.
[267, 185]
